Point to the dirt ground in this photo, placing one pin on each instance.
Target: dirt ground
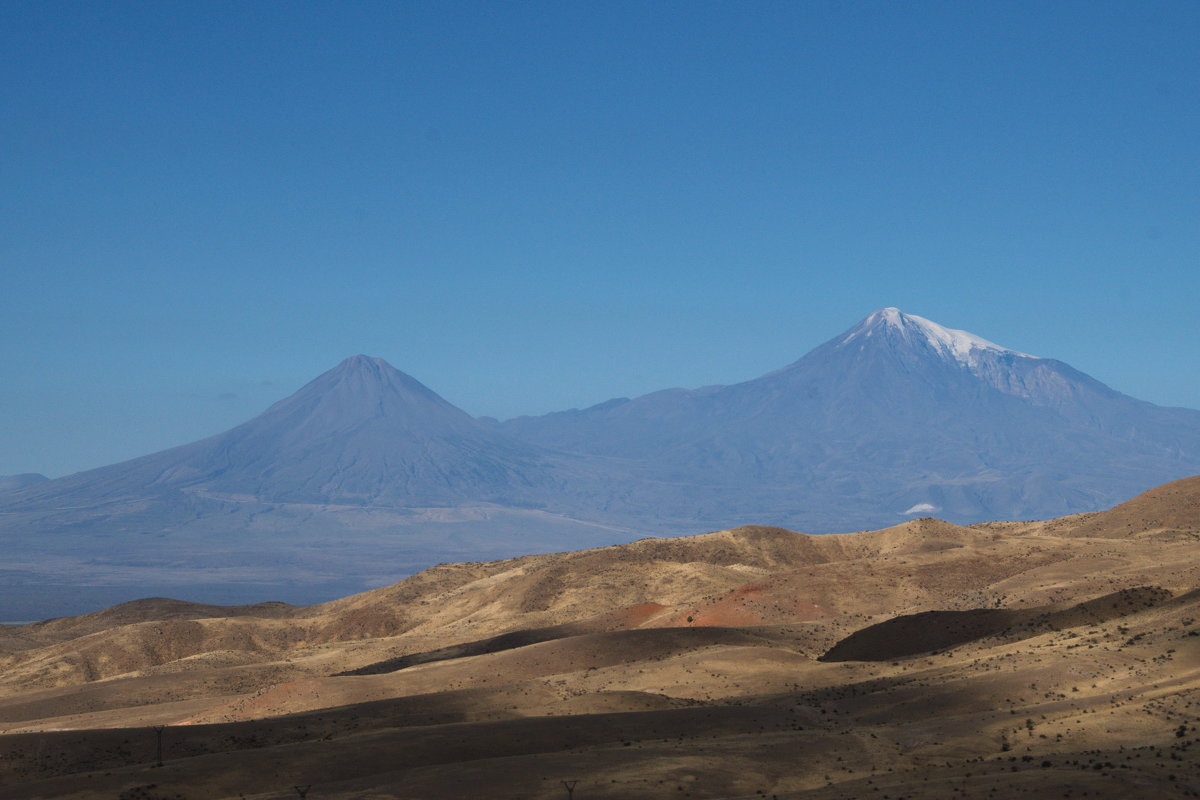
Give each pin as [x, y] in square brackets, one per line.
[1004, 660]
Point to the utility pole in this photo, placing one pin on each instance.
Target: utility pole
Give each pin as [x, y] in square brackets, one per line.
[570, 788]
[158, 732]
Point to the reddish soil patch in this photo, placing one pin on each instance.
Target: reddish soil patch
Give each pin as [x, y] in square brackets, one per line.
[636, 615]
[737, 607]
[750, 604]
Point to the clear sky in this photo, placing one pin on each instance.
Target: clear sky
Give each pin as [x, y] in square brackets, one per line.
[534, 206]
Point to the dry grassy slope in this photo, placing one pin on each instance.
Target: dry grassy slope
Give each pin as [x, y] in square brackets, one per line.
[681, 667]
[148, 610]
[1173, 508]
[1021, 719]
[745, 576]
[913, 634]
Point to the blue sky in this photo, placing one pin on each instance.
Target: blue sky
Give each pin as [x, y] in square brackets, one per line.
[534, 206]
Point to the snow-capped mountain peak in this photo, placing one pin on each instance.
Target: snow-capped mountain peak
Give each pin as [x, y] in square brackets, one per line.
[962, 346]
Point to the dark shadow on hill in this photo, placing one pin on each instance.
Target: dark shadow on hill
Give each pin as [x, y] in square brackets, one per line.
[494, 644]
[914, 634]
[639, 641]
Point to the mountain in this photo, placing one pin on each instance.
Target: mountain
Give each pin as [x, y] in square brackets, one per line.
[365, 475]
[363, 433]
[13, 483]
[360, 477]
[896, 415]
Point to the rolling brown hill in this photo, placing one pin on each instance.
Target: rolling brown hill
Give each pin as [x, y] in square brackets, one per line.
[926, 660]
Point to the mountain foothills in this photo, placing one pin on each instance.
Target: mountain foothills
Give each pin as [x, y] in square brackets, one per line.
[924, 661]
[11, 483]
[365, 474]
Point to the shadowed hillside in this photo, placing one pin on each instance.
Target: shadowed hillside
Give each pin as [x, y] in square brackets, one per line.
[1010, 660]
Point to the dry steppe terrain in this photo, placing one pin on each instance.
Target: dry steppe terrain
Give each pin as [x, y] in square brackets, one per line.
[1000, 660]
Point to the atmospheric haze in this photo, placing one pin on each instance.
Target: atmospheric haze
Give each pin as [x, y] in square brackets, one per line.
[365, 475]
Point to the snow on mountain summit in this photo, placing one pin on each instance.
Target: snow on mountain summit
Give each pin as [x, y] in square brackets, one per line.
[962, 346]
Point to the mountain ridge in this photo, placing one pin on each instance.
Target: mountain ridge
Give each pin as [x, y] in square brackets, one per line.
[917, 410]
[15, 483]
[364, 473]
[363, 432]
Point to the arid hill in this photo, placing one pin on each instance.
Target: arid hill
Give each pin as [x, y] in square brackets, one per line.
[928, 660]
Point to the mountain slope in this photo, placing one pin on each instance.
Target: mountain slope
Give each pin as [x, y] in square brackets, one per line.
[361, 433]
[365, 475]
[894, 414]
[360, 477]
[14, 483]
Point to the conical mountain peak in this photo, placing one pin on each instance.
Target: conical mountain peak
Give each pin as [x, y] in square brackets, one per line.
[366, 398]
[364, 362]
[370, 368]
[363, 387]
[362, 432]
[893, 325]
